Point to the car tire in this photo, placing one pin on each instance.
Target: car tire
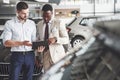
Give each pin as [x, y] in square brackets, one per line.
[76, 41]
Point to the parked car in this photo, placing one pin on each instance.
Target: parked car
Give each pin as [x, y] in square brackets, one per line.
[80, 30]
[5, 57]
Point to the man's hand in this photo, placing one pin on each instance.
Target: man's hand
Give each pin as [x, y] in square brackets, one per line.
[40, 48]
[52, 40]
[27, 43]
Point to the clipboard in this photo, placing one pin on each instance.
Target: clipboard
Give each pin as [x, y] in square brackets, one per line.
[36, 44]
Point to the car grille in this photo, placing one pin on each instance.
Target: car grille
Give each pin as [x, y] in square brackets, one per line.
[4, 71]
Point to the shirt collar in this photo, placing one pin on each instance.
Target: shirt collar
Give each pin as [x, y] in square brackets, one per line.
[50, 21]
[17, 20]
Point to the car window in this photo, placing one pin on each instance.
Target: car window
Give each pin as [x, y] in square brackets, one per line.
[1, 32]
[84, 21]
[1, 43]
[88, 21]
[72, 21]
[2, 22]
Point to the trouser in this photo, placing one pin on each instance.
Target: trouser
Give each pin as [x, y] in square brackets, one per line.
[19, 59]
[47, 60]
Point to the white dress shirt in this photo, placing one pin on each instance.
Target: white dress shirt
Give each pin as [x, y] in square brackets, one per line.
[43, 32]
[17, 31]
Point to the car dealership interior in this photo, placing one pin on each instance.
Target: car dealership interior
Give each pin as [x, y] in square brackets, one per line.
[93, 28]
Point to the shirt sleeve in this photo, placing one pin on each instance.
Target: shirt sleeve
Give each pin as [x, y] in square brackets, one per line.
[34, 32]
[7, 33]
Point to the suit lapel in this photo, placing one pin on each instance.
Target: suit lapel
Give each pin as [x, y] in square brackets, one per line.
[52, 26]
[41, 29]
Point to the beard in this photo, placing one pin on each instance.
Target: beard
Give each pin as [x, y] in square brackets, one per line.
[22, 18]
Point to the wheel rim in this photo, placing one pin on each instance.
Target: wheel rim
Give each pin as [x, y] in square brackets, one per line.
[77, 42]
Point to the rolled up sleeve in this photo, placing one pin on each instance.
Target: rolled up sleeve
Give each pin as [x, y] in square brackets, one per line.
[7, 33]
[34, 33]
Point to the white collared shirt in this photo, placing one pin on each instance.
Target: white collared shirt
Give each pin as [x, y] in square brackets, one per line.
[17, 31]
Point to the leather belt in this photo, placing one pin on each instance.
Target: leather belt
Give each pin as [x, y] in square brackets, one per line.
[22, 52]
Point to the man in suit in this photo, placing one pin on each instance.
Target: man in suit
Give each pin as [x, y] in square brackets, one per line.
[56, 34]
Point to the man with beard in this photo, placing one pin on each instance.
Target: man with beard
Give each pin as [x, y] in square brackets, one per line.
[18, 34]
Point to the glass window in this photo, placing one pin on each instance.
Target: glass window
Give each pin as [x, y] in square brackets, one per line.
[117, 6]
[95, 7]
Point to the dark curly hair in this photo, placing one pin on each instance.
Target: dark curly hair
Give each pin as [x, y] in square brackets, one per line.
[47, 7]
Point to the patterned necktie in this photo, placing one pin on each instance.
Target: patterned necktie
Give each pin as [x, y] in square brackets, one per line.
[46, 32]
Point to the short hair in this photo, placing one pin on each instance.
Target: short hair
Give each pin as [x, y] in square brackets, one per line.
[21, 5]
[47, 7]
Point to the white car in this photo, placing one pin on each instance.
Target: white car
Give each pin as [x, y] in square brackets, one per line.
[80, 30]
